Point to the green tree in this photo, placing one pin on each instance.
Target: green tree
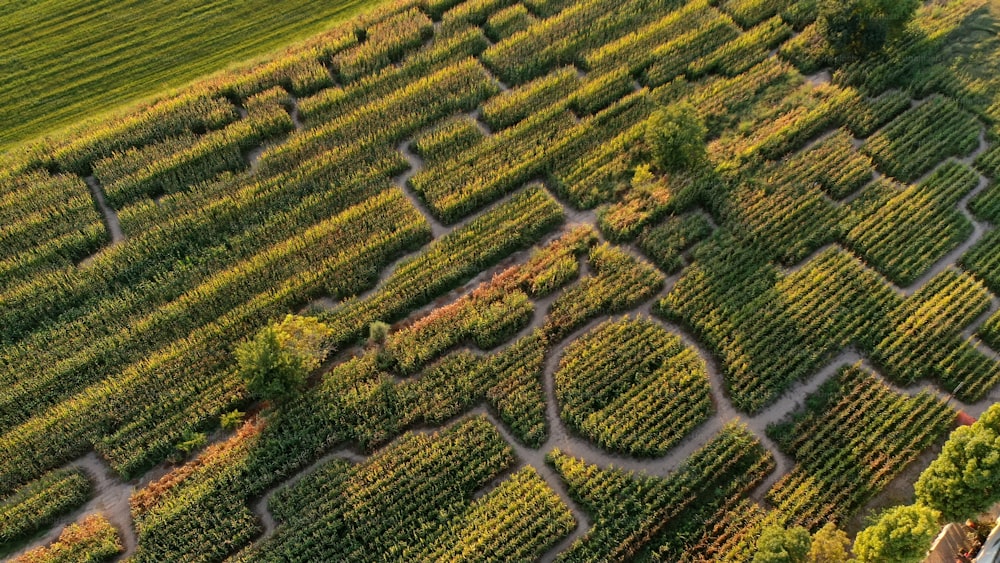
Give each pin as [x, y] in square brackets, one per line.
[829, 545]
[277, 361]
[377, 332]
[900, 535]
[965, 479]
[778, 545]
[855, 28]
[675, 135]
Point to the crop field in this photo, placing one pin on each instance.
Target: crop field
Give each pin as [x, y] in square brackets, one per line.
[420, 287]
[67, 59]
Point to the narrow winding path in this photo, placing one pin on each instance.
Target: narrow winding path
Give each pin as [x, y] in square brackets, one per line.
[110, 216]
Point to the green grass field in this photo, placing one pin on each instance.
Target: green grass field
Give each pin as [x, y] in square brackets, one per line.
[67, 60]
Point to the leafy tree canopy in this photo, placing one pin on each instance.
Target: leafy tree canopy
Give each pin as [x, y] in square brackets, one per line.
[829, 545]
[965, 479]
[900, 535]
[675, 135]
[855, 28]
[778, 545]
[276, 362]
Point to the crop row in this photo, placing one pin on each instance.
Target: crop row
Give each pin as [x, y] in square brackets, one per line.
[511, 226]
[448, 139]
[517, 104]
[500, 164]
[39, 503]
[126, 326]
[508, 21]
[743, 52]
[619, 282]
[775, 331]
[92, 539]
[731, 533]
[920, 138]
[136, 416]
[787, 218]
[49, 222]
[630, 386]
[560, 39]
[518, 520]
[390, 119]
[385, 42]
[907, 234]
[936, 314]
[219, 151]
[636, 51]
[440, 53]
[833, 163]
[362, 512]
[873, 113]
[664, 243]
[854, 438]
[649, 198]
[635, 513]
[492, 313]
[749, 13]
[194, 110]
[681, 56]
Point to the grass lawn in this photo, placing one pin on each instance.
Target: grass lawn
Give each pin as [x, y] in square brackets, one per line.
[66, 60]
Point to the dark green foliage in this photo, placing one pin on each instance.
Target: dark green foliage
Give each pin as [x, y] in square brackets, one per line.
[856, 28]
[675, 136]
[780, 545]
[965, 478]
[270, 370]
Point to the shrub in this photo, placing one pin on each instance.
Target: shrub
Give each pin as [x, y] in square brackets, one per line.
[277, 361]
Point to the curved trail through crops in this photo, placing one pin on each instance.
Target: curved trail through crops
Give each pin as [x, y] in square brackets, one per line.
[111, 221]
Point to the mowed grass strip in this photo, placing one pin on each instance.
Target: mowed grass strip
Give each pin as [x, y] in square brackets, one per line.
[67, 60]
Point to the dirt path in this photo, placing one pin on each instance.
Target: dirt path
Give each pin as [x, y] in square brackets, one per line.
[403, 181]
[293, 112]
[109, 498]
[260, 508]
[110, 216]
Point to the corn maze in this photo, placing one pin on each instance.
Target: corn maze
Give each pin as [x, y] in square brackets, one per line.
[538, 343]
